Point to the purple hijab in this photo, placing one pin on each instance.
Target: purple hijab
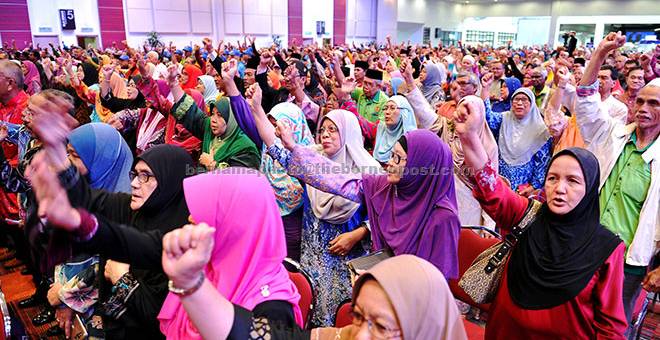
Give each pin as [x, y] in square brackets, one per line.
[419, 215]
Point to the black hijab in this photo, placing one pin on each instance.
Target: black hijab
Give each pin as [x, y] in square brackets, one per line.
[166, 208]
[559, 254]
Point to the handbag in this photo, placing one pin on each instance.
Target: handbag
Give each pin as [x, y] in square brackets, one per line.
[482, 279]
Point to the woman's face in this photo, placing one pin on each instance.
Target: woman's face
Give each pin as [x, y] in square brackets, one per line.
[390, 67]
[24, 69]
[422, 74]
[330, 138]
[183, 78]
[387, 86]
[142, 191]
[332, 103]
[565, 185]
[504, 91]
[392, 114]
[81, 73]
[397, 164]
[373, 306]
[131, 91]
[218, 124]
[76, 161]
[520, 105]
[200, 86]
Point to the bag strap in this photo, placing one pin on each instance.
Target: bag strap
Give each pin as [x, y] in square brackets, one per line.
[511, 238]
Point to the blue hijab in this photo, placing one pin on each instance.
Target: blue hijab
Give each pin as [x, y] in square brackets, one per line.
[513, 84]
[105, 154]
[386, 137]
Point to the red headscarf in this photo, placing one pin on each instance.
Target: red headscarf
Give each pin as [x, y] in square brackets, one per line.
[193, 73]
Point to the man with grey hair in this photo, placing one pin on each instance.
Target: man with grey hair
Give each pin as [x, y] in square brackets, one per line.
[629, 157]
[539, 76]
[161, 70]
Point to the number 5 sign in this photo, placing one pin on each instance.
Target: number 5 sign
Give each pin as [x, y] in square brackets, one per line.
[67, 19]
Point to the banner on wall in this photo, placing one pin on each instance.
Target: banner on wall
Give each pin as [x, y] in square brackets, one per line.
[67, 19]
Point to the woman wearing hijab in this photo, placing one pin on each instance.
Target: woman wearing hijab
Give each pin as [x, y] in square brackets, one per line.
[131, 302]
[412, 209]
[508, 87]
[105, 157]
[246, 261]
[288, 190]
[525, 145]
[386, 304]
[564, 278]
[206, 86]
[245, 264]
[433, 76]
[399, 119]
[332, 225]
[32, 78]
[223, 142]
[100, 155]
[189, 76]
[470, 212]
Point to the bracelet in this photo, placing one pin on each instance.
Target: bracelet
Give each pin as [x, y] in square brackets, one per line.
[185, 292]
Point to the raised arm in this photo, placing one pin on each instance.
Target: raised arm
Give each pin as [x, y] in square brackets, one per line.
[595, 124]
[423, 111]
[310, 167]
[239, 106]
[503, 205]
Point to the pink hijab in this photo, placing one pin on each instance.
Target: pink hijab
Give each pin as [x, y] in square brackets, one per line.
[31, 76]
[246, 263]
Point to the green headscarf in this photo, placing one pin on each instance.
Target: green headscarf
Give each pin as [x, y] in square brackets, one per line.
[232, 142]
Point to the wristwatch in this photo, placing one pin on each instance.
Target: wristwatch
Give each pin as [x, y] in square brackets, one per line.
[185, 292]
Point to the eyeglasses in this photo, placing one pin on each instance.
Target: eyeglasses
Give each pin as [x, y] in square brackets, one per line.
[330, 130]
[521, 100]
[143, 177]
[376, 330]
[396, 158]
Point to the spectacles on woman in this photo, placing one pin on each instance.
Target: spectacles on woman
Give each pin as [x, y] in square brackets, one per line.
[396, 158]
[331, 130]
[521, 100]
[376, 329]
[143, 177]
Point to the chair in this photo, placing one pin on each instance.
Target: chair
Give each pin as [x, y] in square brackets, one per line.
[344, 317]
[305, 287]
[470, 245]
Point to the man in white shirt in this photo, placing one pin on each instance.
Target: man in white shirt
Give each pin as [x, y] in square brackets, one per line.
[607, 76]
[161, 70]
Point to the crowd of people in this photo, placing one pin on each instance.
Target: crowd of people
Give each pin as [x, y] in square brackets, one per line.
[156, 192]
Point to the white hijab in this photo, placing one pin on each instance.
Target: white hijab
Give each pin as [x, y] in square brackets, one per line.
[352, 156]
[520, 139]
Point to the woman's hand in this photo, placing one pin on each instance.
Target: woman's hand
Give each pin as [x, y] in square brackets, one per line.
[4, 132]
[115, 270]
[64, 317]
[343, 243]
[254, 95]
[466, 121]
[186, 251]
[206, 160]
[284, 133]
[172, 74]
[53, 294]
[54, 205]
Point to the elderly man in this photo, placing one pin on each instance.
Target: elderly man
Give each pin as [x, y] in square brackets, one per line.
[370, 98]
[629, 158]
[539, 76]
[161, 70]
